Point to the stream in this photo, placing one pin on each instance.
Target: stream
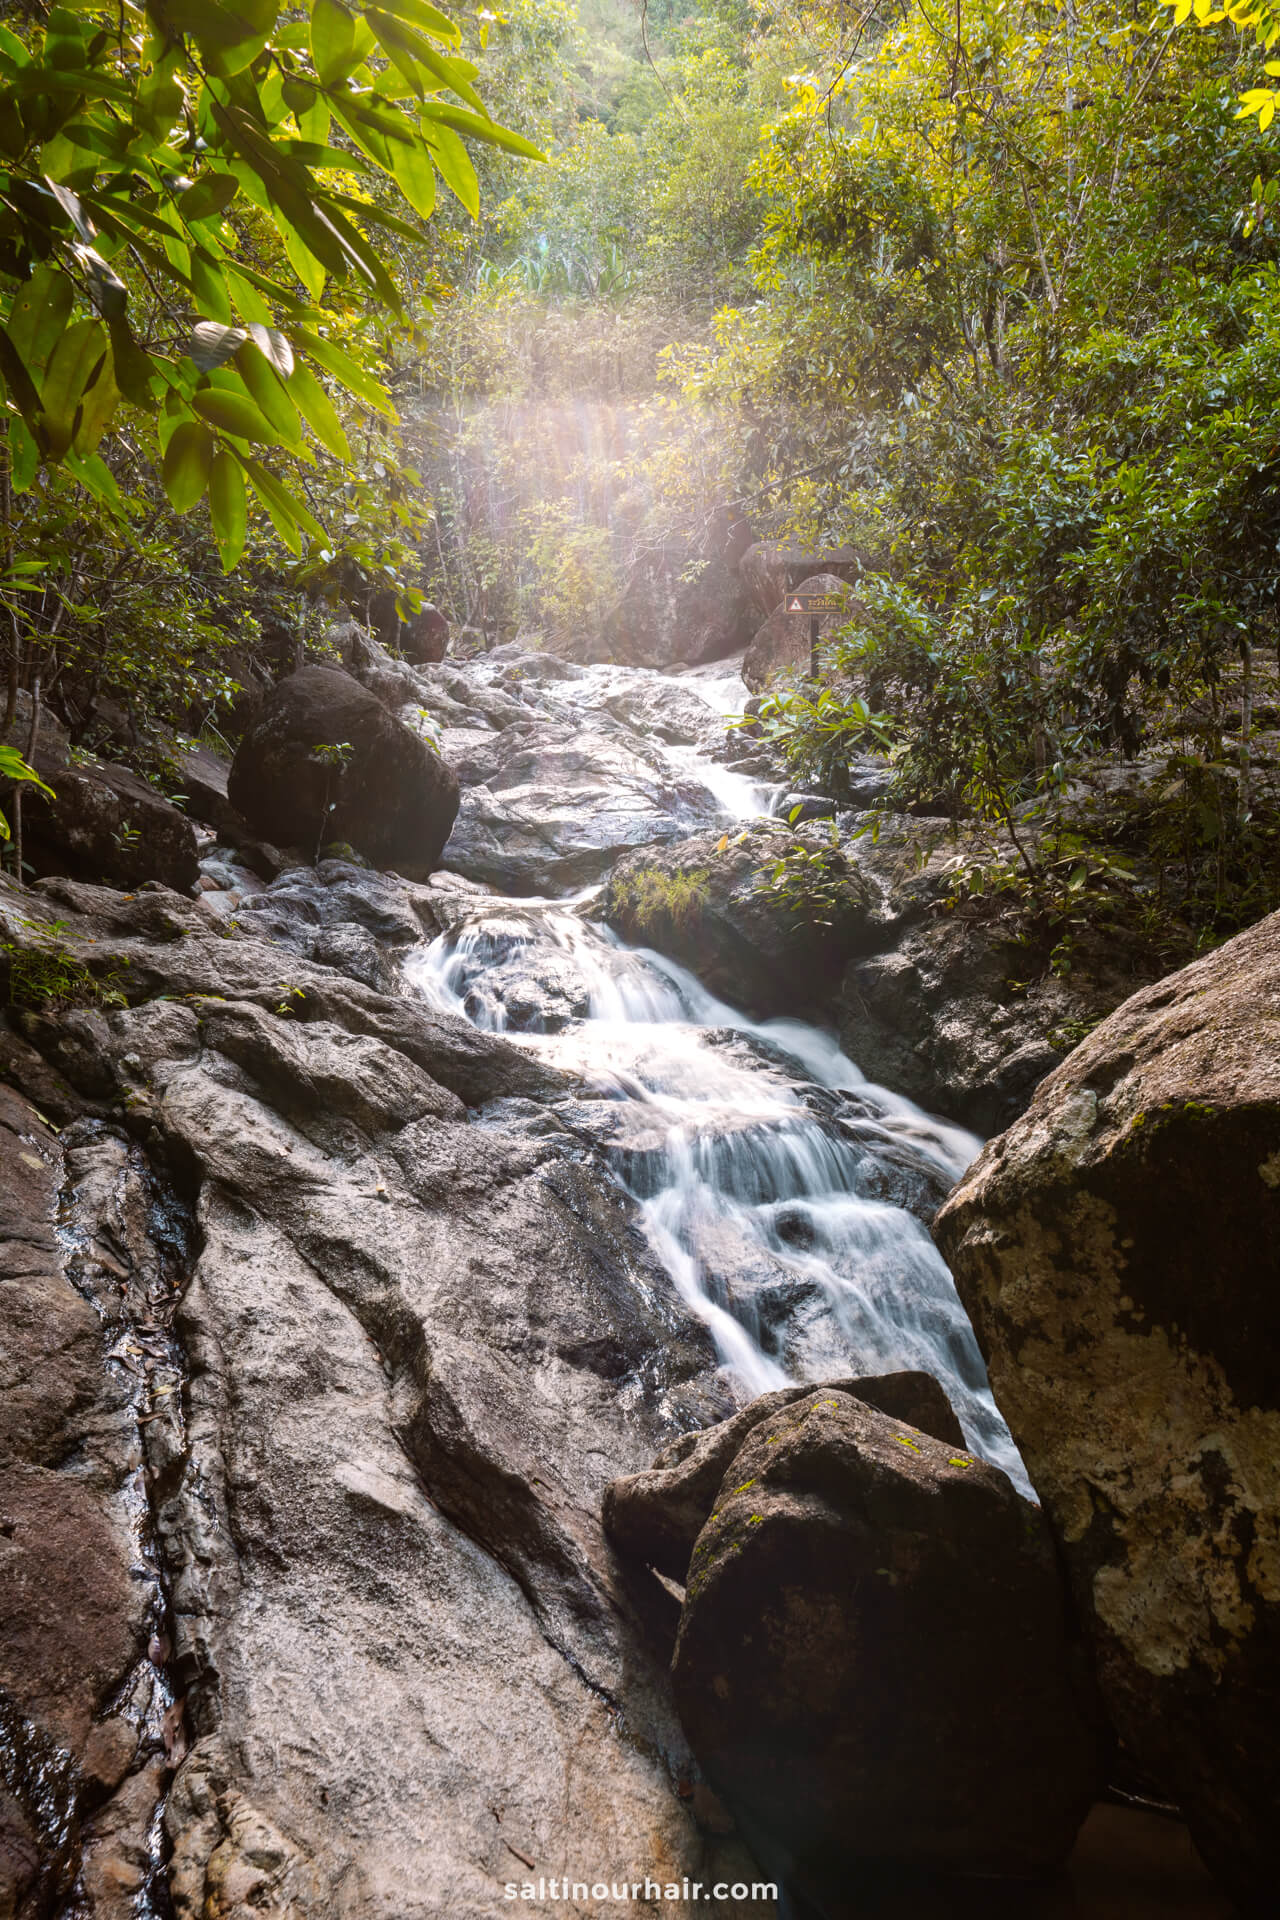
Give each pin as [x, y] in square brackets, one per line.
[786, 1196]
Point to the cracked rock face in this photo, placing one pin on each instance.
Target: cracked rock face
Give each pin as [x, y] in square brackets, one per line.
[404, 1666]
[1118, 1251]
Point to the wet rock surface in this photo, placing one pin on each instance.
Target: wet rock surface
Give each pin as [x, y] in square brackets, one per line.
[873, 1662]
[656, 1516]
[414, 1353]
[1117, 1251]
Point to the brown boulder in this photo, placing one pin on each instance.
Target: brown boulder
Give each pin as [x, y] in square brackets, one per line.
[873, 1663]
[1118, 1251]
[657, 1516]
[105, 823]
[424, 639]
[783, 644]
[325, 762]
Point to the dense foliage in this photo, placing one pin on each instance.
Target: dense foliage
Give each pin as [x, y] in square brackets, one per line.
[209, 214]
[989, 295]
[992, 297]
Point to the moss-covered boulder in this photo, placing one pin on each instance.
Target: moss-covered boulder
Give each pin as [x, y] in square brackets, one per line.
[710, 901]
[873, 1663]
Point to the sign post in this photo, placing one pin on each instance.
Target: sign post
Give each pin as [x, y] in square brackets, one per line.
[815, 605]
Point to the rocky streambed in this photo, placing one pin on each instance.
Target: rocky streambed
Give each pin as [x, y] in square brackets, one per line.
[361, 1234]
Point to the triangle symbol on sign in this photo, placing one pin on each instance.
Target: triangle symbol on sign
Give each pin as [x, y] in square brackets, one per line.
[795, 607]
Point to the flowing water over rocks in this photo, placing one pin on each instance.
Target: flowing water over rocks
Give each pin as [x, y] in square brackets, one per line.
[785, 1196]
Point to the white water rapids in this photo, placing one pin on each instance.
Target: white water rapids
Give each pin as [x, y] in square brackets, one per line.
[774, 1183]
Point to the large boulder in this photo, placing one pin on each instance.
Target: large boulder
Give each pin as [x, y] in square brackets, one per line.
[422, 639]
[325, 762]
[656, 1516]
[783, 643]
[706, 901]
[1118, 1250]
[873, 1663]
[673, 612]
[105, 823]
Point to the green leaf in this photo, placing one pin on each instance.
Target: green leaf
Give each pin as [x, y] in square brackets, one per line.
[101, 398]
[13, 369]
[96, 477]
[277, 499]
[408, 49]
[134, 370]
[427, 19]
[14, 767]
[282, 518]
[39, 314]
[211, 194]
[24, 455]
[346, 370]
[318, 411]
[210, 283]
[234, 414]
[275, 347]
[416, 178]
[453, 164]
[309, 270]
[268, 394]
[227, 507]
[187, 462]
[480, 129]
[72, 366]
[333, 35]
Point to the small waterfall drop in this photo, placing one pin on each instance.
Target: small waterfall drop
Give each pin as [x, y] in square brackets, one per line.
[783, 1193]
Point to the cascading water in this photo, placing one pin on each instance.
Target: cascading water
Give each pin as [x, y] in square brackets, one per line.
[781, 1191]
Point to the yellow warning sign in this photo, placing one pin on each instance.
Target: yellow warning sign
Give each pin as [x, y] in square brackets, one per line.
[812, 603]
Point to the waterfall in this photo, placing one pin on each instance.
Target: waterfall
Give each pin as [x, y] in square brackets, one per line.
[784, 1194]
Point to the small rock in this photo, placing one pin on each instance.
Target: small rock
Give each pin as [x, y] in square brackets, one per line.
[108, 1752]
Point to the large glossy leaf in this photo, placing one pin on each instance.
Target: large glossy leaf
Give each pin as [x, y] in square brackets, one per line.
[211, 194]
[277, 499]
[333, 41]
[231, 413]
[228, 508]
[453, 163]
[318, 411]
[98, 403]
[72, 366]
[416, 178]
[345, 370]
[267, 392]
[39, 314]
[187, 461]
[479, 129]
[427, 19]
